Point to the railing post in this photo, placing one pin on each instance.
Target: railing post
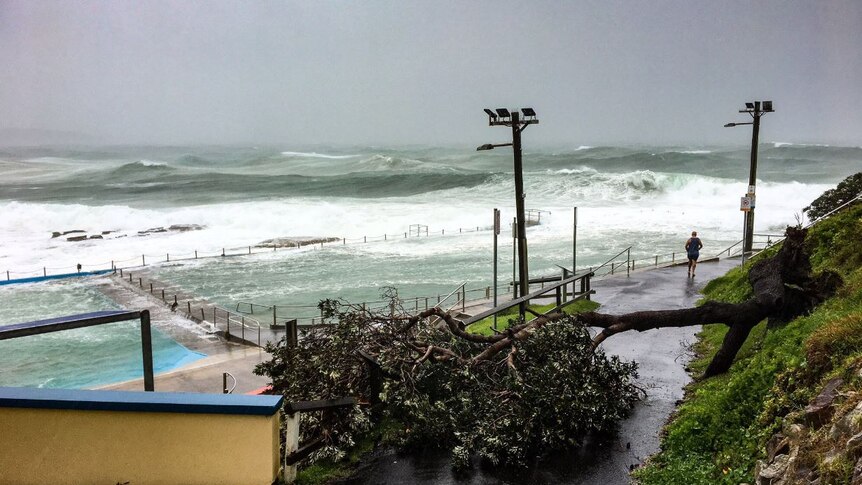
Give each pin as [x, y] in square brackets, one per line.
[196, 254]
[189, 304]
[167, 257]
[163, 294]
[44, 271]
[147, 350]
[559, 296]
[202, 315]
[143, 260]
[7, 275]
[656, 259]
[151, 288]
[291, 444]
[242, 325]
[273, 316]
[673, 257]
[566, 286]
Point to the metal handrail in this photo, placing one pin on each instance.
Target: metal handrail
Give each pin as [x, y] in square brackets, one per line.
[450, 295]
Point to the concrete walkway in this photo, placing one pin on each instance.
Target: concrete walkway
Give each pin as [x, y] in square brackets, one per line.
[661, 355]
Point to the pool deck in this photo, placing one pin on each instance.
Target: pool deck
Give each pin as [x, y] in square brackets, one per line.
[204, 375]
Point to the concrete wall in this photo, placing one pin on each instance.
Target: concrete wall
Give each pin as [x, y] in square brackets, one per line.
[178, 439]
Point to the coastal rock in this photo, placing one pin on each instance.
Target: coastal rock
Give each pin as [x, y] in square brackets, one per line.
[76, 238]
[857, 473]
[777, 445]
[172, 228]
[58, 233]
[294, 242]
[819, 412]
[772, 474]
[185, 227]
[96, 236]
[854, 443]
[152, 230]
[847, 425]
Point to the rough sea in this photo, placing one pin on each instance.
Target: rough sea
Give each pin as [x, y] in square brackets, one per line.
[649, 198]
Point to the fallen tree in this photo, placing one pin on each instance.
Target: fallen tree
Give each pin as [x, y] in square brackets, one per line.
[539, 386]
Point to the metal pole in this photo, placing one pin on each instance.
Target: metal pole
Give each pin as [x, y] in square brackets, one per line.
[628, 258]
[495, 231]
[752, 177]
[147, 350]
[519, 206]
[514, 257]
[575, 243]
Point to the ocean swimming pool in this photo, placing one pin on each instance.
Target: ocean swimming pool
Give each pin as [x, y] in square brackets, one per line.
[81, 358]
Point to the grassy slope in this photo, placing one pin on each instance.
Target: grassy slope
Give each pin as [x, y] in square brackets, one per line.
[721, 429]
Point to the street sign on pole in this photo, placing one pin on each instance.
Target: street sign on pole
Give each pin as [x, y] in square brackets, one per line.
[746, 203]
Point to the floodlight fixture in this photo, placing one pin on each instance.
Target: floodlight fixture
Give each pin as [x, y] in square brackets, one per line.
[528, 111]
[490, 114]
[730, 125]
[767, 106]
[486, 146]
[749, 105]
[503, 112]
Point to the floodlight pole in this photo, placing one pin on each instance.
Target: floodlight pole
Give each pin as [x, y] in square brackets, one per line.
[756, 109]
[752, 180]
[523, 278]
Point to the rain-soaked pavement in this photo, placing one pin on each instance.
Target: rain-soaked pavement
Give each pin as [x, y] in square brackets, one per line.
[661, 355]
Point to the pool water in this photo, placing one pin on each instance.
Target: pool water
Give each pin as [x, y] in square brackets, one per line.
[79, 358]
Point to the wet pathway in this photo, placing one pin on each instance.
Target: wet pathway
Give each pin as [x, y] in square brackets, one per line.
[662, 355]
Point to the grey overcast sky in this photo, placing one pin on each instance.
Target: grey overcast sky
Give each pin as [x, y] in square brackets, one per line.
[420, 72]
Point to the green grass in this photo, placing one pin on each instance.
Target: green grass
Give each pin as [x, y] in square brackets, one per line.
[484, 327]
[721, 429]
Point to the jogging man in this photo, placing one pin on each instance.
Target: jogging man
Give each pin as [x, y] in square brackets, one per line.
[692, 247]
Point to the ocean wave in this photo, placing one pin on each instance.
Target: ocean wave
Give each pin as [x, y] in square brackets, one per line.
[780, 144]
[141, 167]
[151, 163]
[696, 152]
[384, 162]
[317, 155]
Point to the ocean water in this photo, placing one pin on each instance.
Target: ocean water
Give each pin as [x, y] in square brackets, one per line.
[649, 198]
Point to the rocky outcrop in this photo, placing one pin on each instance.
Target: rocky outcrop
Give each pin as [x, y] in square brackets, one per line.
[58, 233]
[826, 449]
[820, 410]
[172, 228]
[295, 242]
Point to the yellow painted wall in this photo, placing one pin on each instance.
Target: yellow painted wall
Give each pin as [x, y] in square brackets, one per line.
[50, 446]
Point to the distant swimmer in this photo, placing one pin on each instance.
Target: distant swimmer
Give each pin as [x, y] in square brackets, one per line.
[692, 247]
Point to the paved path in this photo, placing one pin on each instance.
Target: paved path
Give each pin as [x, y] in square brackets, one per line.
[661, 354]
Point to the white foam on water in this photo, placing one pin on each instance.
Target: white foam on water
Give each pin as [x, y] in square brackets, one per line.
[317, 155]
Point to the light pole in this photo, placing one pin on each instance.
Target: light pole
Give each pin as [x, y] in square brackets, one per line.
[503, 117]
[756, 109]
